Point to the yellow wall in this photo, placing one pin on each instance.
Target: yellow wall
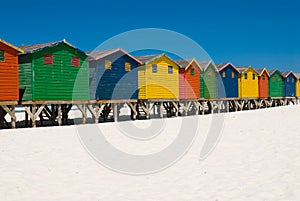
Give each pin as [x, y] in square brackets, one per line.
[160, 84]
[298, 88]
[248, 88]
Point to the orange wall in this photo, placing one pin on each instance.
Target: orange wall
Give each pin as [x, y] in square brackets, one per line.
[9, 89]
[189, 85]
[263, 85]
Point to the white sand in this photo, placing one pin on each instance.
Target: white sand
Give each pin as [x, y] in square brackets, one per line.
[257, 158]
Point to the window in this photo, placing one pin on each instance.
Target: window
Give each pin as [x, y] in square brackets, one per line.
[2, 58]
[48, 59]
[154, 68]
[223, 74]
[293, 80]
[108, 65]
[263, 77]
[246, 76]
[273, 78]
[127, 66]
[75, 61]
[232, 75]
[209, 73]
[288, 79]
[170, 69]
[279, 78]
[253, 76]
[192, 71]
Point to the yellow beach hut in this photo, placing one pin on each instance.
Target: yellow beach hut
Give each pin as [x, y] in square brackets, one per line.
[298, 84]
[248, 82]
[158, 77]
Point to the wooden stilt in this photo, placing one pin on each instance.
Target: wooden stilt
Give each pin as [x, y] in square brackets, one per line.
[59, 119]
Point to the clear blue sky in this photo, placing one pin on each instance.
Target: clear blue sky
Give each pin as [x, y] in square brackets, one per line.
[249, 32]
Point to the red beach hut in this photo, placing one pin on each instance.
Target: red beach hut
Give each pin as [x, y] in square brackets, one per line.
[9, 86]
[263, 82]
[189, 79]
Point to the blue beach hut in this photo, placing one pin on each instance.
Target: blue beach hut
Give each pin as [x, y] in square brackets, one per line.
[227, 81]
[113, 75]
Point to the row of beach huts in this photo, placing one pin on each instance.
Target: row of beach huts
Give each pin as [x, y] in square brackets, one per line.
[60, 71]
[48, 79]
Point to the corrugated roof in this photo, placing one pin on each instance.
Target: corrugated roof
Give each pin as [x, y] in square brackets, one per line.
[224, 65]
[184, 62]
[12, 46]
[242, 69]
[205, 65]
[261, 70]
[29, 49]
[287, 73]
[99, 54]
[148, 58]
[297, 75]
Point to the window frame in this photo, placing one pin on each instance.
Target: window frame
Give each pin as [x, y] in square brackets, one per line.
[223, 74]
[3, 55]
[170, 69]
[72, 61]
[246, 76]
[127, 66]
[253, 76]
[154, 68]
[107, 64]
[232, 75]
[192, 72]
[49, 56]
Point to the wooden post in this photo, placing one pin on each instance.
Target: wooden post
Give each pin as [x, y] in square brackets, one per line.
[227, 106]
[160, 110]
[203, 108]
[115, 111]
[33, 107]
[13, 117]
[59, 120]
[26, 119]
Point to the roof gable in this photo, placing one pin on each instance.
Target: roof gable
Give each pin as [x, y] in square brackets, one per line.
[151, 58]
[30, 49]
[288, 73]
[11, 46]
[206, 64]
[261, 71]
[187, 63]
[99, 54]
[222, 66]
[246, 69]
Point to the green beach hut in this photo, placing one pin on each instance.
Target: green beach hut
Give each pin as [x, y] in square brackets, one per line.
[208, 80]
[53, 71]
[275, 83]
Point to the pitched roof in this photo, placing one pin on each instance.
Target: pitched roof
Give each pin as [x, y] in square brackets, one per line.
[11, 46]
[29, 49]
[243, 69]
[148, 58]
[205, 65]
[224, 65]
[287, 73]
[99, 54]
[260, 71]
[271, 72]
[297, 75]
[185, 63]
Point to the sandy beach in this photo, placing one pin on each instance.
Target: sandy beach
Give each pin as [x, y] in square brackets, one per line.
[257, 158]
